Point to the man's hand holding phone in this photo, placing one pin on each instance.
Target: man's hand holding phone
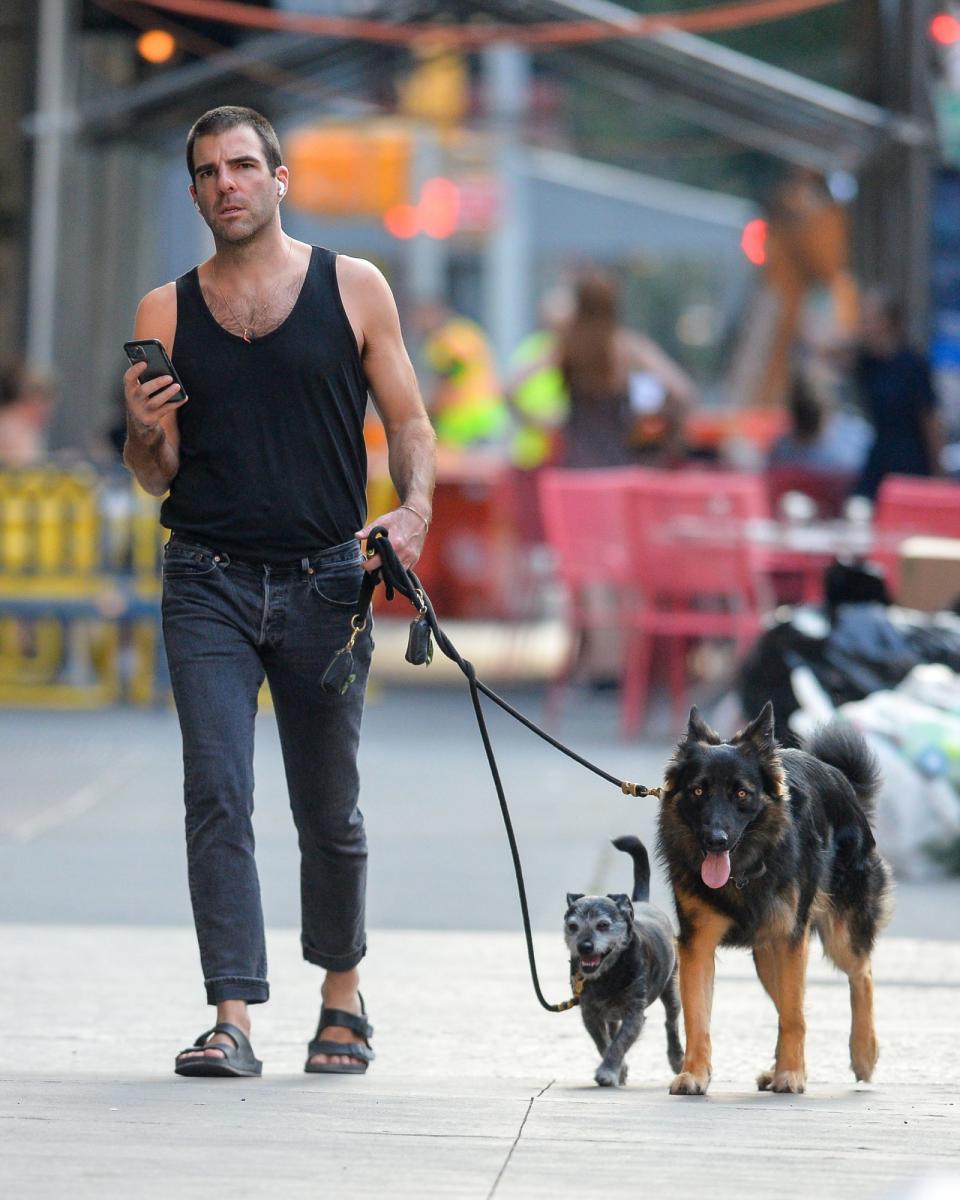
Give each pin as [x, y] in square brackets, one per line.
[149, 400]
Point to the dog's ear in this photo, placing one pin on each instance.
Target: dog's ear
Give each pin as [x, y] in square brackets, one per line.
[699, 731]
[573, 897]
[760, 733]
[623, 903]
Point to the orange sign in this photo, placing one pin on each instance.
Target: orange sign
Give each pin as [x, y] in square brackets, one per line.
[349, 170]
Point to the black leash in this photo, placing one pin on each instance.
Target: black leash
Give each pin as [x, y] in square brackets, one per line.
[339, 675]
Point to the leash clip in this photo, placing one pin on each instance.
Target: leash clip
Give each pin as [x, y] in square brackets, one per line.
[637, 789]
[341, 671]
[576, 986]
[357, 630]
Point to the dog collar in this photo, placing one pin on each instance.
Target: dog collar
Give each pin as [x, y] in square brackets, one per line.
[741, 881]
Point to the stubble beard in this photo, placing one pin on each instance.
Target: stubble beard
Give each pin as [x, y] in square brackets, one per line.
[237, 235]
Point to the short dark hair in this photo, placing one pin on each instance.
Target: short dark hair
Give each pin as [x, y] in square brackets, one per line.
[229, 116]
[806, 409]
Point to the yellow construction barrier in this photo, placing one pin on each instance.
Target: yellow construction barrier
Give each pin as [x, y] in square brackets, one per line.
[80, 585]
[79, 590]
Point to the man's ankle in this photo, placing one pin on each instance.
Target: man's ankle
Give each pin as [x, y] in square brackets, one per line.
[338, 987]
[234, 1012]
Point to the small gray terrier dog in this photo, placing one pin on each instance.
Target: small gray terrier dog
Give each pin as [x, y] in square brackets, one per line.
[626, 958]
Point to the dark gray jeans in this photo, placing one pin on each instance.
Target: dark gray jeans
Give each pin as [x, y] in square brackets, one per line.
[227, 624]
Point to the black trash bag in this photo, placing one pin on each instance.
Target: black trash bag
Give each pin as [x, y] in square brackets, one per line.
[765, 673]
[933, 639]
[868, 649]
[860, 651]
[856, 582]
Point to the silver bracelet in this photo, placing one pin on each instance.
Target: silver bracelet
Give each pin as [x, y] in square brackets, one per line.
[410, 508]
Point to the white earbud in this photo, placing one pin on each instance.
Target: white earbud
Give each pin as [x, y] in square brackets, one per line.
[196, 206]
[281, 190]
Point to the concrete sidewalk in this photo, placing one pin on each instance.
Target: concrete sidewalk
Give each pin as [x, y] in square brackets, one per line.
[476, 1092]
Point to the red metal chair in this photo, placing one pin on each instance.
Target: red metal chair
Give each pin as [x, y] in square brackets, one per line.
[699, 574]
[585, 521]
[907, 505]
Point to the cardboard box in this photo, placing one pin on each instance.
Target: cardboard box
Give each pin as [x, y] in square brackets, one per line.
[929, 573]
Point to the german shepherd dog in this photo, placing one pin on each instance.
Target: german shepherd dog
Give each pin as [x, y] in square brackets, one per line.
[761, 845]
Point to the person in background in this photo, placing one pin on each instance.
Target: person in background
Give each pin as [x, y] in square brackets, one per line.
[539, 406]
[628, 399]
[897, 394]
[466, 404]
[820, 438]
[536, 389]
[27, 399]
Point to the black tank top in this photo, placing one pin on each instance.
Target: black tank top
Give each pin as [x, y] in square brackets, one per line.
[272, 460]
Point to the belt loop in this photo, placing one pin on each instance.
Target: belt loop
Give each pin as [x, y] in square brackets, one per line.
[305, 566]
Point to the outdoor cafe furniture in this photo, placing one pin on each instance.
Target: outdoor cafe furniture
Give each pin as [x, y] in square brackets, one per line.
[682, 555]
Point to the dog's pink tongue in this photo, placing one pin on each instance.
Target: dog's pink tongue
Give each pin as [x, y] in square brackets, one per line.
[715, 870]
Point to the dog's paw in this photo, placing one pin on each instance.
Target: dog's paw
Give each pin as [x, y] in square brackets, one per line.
[688, 1084]
[606, 1076]
[863, 1058]
[786, 1082]
[624, 1072]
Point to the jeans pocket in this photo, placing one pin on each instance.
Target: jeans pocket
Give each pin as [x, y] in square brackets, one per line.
[182, 562]
[339, 586]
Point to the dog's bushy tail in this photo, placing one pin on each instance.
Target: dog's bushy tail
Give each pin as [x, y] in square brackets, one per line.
[641, 864]
[840, 745]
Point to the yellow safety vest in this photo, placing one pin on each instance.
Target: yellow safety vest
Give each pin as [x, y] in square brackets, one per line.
[469, 406]
[542, 397]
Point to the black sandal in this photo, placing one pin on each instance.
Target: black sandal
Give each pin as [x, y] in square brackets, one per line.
[361, 1051]
[237, 1060]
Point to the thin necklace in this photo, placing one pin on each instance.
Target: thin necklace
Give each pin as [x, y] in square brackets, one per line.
[248, 328]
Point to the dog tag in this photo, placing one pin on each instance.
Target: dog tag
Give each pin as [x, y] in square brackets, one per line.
[340, 673]
[419, 644]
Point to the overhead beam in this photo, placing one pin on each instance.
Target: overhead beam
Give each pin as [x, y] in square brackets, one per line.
[625, 85]
[112, 113]
[699, 75]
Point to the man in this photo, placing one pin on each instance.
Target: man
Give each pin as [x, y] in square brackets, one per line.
[276, 344]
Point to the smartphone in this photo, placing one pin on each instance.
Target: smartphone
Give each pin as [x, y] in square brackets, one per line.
[152, 352]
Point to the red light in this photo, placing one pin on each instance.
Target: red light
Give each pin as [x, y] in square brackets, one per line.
[945, 29]
[439, 207]
[402, 220]
[753, 241]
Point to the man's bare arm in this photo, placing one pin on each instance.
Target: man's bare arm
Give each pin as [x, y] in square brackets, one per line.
[411, 441]
[152, 448]
[645, 355]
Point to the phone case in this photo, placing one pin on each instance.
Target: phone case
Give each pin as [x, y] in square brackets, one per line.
[152, 351]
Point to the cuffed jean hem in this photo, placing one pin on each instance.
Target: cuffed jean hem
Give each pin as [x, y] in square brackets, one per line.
[236, 987]
[333, 962]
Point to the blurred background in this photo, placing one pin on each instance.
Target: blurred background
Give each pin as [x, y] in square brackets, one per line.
[681, 282]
